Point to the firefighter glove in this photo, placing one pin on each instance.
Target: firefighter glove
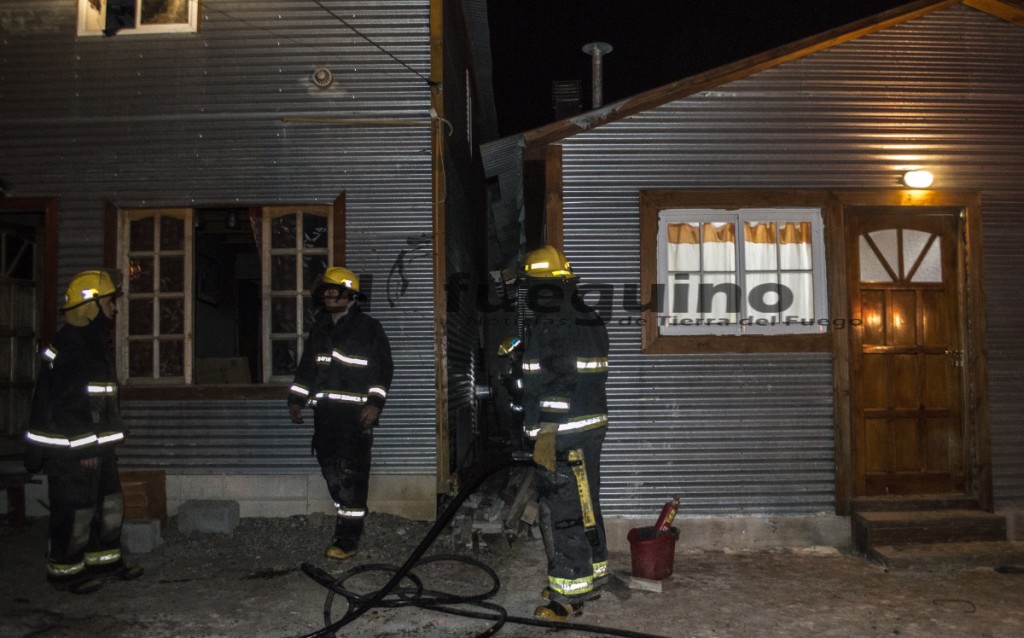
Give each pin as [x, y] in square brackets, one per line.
[368, 417]
[544, 448]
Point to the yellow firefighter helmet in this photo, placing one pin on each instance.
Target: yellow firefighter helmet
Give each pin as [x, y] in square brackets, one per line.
[547, 262]
[337, 276]
[85, 287]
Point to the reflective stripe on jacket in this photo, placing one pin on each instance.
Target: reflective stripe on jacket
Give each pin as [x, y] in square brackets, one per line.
[74, 407]
[344, 363]
[565, 368]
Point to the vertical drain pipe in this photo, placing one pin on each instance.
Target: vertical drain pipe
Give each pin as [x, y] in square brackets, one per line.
[597, 51]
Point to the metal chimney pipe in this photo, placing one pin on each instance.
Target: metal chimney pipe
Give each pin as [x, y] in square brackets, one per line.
[597, 51]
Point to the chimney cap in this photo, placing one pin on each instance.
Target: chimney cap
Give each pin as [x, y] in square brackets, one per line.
[600, 47]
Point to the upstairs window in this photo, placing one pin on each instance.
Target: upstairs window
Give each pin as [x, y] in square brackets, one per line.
[138, 17]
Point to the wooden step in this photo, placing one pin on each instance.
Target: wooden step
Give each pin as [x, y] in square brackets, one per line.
[915, 503]
[1001, 556]
[876, 529]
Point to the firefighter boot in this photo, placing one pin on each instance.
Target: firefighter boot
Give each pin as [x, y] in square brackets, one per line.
[81, 583]
[340, 550]
[558, 612]
[115, 571]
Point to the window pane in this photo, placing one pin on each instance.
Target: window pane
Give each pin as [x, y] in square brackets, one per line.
[871, 269]
[763, 296]
[172, 274]
[312, 267]
[141, 235]
[684, 247]
[172, 359]
[284, 357]
[802, 286]
[282, 272]
[282, 315]
[140, 359]
[282, 232]
[719, 297]
[759, 246]
[172, 317]
[681, 299]
[314, 231]
[930, 269]
[308, 314]
[795, 246]
[163, 12]
[140, 317]
[140, 274]
[23, 358]
[172, 233]
[886, 241]
[719, 248]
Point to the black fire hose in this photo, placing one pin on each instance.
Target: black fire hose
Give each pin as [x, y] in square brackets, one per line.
[417, 596]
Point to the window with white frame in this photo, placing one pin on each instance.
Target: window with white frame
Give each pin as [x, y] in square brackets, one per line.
[218, 295]
[745, 271]
[138, 17]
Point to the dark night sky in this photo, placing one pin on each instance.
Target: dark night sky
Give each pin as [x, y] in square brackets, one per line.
[655, 42]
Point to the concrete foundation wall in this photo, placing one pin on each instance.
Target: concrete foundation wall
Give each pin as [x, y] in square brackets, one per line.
[410, 496]
[413, 497]
[1014, 522]
[743, 532]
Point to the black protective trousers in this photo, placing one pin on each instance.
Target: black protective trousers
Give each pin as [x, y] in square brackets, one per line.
[578, 553]
[344, 454]
[86, 513]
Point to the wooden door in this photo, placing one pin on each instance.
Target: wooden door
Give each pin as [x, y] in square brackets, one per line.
[19, 324]
[906, 356]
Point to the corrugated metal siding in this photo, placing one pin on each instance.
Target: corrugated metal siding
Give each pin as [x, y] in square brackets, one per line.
[754, 433]
[195, 120]
[463, 324]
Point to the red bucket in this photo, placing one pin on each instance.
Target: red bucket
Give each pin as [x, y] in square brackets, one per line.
[653, 555]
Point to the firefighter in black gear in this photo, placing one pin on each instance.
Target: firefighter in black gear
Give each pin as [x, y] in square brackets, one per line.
[73, 428]
[511, 378]
[565, 366]
[345, 374]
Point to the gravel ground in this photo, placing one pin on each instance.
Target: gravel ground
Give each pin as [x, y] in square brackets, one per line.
[250, 584]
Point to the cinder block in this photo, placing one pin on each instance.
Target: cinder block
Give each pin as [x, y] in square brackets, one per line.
[141, 535]
[216, 517]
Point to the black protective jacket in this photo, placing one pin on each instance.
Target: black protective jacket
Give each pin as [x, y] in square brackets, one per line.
[74, 408]
[565, 365]
[344, 366]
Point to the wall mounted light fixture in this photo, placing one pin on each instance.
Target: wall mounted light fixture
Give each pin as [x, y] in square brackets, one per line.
[918, 178]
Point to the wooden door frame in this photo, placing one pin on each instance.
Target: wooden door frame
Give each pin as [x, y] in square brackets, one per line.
[975, 406]
[48, 208]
